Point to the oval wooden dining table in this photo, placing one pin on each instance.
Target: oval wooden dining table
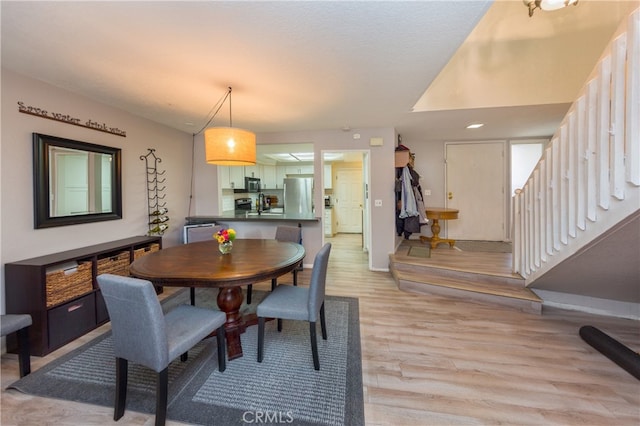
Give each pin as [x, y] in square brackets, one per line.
[201, 264]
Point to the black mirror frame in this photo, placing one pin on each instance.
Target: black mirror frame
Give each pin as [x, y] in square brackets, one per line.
[41, 161]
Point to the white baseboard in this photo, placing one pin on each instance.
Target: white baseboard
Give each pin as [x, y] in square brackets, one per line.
[592, 305]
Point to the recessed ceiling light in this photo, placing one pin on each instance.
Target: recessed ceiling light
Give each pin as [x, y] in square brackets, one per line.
[475, 125]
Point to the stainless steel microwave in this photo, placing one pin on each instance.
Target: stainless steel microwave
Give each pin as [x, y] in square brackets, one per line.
[251, 184]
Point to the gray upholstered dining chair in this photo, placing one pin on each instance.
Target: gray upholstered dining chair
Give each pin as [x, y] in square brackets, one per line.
[292, 234]
[298, 303]
[144, 335]
[19, 324]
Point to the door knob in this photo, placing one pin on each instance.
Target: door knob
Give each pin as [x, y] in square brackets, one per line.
[450, 195]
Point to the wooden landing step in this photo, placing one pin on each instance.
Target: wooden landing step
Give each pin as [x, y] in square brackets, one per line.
[502, 289]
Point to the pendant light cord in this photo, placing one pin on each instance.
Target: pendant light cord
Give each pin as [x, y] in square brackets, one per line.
[217, 107]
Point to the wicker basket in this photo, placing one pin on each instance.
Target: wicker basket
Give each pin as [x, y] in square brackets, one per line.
[145, 250]
[117, 265]
[66, 285]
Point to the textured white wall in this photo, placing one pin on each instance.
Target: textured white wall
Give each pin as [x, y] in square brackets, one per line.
[18, 239]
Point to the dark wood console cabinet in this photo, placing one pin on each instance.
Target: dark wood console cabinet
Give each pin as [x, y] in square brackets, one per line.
[57, 323]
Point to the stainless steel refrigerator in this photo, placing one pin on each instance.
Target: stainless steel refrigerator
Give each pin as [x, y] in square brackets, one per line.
[298, 196]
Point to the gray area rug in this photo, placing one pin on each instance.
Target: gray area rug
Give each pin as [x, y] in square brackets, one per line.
[484, 246]
[284, 388]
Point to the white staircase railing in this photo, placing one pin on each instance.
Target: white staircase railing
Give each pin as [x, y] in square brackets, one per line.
[588, 178]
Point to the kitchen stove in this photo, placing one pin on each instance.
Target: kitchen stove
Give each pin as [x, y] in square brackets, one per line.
[243, 204]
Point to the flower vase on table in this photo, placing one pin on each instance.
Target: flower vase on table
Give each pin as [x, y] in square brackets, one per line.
[225, 239]
[225, 247]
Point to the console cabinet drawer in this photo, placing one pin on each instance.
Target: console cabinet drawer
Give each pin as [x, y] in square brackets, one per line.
[73, 319]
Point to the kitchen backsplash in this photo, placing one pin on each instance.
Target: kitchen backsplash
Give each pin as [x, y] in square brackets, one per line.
[228, 202]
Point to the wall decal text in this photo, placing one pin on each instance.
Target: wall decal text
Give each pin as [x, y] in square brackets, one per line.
[66, 118]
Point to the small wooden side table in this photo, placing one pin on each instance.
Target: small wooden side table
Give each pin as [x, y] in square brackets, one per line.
[436, 214]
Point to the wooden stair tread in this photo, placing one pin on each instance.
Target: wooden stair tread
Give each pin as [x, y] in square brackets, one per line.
[477, 286]
[437, 271]
[497, 264]
[411, 261]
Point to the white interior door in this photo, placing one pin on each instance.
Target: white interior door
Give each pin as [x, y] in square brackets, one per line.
[349, 201]
[475, 183]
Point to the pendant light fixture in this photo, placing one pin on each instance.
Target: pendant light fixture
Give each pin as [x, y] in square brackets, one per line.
[547, 4]
[229, 146]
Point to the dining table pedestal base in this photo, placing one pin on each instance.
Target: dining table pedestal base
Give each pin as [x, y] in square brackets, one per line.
[229, 301]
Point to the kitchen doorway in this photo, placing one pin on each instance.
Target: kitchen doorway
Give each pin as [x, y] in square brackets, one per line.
[346, 177]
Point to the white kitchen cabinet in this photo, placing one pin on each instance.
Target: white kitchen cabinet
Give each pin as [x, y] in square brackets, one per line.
[281, 173]
[298, 169]
[306, 170]
[328, 222]
[269, 180]
[231, 177]
[223, 177]
[292, 170]
[328, 182]
[236, 176]
[253, 171]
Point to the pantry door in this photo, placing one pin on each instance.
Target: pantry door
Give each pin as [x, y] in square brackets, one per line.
[475, 185]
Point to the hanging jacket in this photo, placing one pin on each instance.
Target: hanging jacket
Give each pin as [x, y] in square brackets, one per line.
[408, 206]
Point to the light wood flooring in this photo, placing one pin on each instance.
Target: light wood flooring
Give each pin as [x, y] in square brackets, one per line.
[432, 360]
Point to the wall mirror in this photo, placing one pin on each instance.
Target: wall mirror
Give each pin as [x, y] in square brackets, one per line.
[75, 182]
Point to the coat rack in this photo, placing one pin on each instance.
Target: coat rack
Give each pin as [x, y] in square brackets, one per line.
[158, 219]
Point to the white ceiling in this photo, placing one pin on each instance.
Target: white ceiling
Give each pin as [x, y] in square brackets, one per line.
[316, 65]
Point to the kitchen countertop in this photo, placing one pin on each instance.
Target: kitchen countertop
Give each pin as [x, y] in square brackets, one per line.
[251, 216]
